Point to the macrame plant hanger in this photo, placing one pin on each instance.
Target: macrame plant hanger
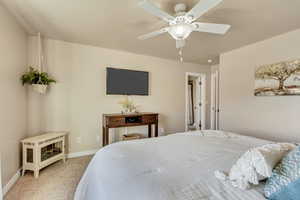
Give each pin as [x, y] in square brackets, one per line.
[40, 62]
[40, 87]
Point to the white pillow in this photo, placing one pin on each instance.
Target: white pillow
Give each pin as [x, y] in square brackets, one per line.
[270, 155]
[256, 164]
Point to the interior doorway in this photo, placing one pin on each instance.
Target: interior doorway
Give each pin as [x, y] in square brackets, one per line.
[195, 93]
[215, 100]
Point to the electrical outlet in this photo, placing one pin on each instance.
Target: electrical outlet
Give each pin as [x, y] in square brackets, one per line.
[98, 138]
[162, 130]
[78, 140]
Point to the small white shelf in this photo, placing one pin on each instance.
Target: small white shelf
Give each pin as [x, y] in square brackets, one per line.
[43, 150]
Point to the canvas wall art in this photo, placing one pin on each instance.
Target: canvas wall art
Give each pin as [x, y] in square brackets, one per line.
[279, 79]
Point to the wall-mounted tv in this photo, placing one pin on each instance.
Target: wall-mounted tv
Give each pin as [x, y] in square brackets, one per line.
[126, 82]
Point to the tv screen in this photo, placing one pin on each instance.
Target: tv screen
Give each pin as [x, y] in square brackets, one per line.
[126, 82]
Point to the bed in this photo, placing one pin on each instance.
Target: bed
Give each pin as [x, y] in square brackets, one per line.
[176, 167]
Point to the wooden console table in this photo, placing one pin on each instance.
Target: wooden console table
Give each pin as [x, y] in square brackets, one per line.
[127, 120]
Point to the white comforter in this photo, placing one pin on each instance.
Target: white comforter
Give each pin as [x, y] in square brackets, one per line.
[176, 167]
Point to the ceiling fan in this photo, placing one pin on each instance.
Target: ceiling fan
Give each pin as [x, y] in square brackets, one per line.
[183, 23]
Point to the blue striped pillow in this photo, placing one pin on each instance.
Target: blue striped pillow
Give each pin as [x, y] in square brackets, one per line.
[284, 184]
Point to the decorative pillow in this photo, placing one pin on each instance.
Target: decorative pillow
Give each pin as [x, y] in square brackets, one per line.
[285, 180]
[256, 164]
[270, 155]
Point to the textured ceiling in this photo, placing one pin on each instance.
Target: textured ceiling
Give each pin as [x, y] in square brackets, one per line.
[116, 24]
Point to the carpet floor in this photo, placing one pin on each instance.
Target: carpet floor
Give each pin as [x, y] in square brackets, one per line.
[56, 182]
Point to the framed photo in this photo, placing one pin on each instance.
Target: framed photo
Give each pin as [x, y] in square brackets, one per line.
[279, 79]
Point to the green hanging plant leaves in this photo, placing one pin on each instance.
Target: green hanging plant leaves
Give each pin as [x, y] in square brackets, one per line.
[33, 76]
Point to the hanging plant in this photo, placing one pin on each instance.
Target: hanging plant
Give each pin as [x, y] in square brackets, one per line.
[38, 80]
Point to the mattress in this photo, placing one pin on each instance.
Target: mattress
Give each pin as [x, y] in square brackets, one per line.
[176, 167]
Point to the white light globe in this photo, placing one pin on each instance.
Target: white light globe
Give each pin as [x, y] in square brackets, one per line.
[180, 31]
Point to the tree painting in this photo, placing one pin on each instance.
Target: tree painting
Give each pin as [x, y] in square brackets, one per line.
[281, 78]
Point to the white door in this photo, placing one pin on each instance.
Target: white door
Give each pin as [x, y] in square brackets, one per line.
[198, 104]
[217, 110]
[215, 100]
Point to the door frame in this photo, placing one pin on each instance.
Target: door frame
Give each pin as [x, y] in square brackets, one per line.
[1, 192]
[201, 99]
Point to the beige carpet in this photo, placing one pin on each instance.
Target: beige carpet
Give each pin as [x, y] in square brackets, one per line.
[56, 182]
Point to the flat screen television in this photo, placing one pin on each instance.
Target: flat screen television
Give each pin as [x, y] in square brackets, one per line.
[126, 82]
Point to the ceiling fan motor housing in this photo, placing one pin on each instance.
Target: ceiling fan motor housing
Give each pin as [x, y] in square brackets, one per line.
[180, 8]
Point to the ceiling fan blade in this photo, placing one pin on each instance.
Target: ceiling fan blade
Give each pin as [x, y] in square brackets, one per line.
[151, 8]
[202, 7]
[153, 34]
[211, 28]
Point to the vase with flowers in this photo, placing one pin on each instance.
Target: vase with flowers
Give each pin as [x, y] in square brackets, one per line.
[128, 105]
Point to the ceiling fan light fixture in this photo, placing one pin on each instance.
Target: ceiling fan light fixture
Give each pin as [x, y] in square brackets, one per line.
[183, 23]
[180, 31]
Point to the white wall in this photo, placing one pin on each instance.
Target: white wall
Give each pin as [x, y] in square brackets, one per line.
[77, 102]
[274, 118]
[13, 101]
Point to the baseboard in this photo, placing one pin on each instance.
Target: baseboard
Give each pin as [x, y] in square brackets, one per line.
[82, 153]
[11, 182]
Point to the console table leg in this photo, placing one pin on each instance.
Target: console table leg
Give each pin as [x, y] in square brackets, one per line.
[149, 130]
[103, 136]
[106, 136]
[156, 130]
